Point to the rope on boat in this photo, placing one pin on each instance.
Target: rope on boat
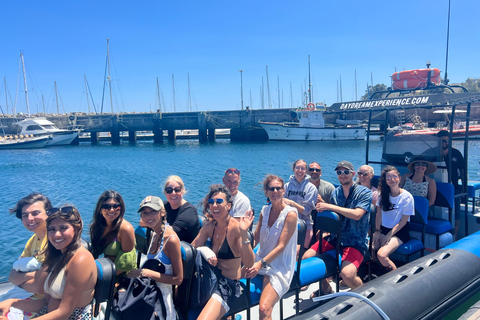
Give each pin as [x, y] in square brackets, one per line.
[355, 295]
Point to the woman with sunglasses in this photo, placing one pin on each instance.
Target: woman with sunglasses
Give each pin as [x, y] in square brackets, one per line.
[181, 214]
[69, 272]
[301, 194]
[164, 248]
[364, 178]
[230, 245]
[394, 208]
[111, 234]
[276, 237]
[417, 182]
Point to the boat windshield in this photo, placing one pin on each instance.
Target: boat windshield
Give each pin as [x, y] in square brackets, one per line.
[398, 149]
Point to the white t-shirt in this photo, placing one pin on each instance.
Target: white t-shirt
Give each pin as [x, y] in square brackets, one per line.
[400, 205]
[240, 205]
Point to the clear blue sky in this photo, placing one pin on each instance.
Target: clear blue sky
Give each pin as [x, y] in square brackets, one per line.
[212, 40]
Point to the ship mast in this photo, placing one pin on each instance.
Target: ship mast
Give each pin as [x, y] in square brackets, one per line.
[25, 83]
[109, 75]
[56, 96]
[86, 92]
[309, 82]
[6, 98]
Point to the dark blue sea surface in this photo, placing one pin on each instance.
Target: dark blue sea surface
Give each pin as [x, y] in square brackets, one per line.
[79, 174]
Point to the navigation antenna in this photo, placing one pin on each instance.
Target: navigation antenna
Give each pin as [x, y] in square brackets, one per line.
[448, 37]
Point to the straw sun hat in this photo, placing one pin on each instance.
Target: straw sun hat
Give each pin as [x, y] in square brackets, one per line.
[431, 167]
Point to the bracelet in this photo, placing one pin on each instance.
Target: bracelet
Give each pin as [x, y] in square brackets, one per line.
[246, 242]
[141, 272]
[379, 230]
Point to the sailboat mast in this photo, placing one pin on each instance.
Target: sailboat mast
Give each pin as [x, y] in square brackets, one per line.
[25, 84]
[268, 92]
[158, 97]
[56, 96]
[278, 91]
[309, 82]
[109, 74]
[43, 104]
[356, 95]
[173, 91]
[189, 106]
[86, 92]
[6, 98]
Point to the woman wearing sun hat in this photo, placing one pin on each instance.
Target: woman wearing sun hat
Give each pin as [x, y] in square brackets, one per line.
[417, 181]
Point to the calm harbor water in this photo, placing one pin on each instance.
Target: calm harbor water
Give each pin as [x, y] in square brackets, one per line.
[79, 174]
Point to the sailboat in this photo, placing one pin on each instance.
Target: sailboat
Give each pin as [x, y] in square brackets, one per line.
[310, 125]
[41, 127]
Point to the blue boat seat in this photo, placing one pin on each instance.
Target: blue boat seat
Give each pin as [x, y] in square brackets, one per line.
[105, 285]
[182, 292]
[421, 218]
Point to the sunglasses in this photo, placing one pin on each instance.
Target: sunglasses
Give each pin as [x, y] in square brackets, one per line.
[232, 171]
[445, 141]
[273, 189]
[390, 178]
[363, 174]
[108, 206]
[421, 164]
[344, 172]
[314, 170]
[63, 210]
[170, 190]
[217, 201]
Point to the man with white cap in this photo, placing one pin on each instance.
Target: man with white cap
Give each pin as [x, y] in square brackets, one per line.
[352, 201]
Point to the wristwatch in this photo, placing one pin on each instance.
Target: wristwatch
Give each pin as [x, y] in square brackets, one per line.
[264, 263]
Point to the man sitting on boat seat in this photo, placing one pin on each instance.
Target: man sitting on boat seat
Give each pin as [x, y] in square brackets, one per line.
[241, 203]
[458, 171]
[32, 211]
[352, 201]
[325, 188]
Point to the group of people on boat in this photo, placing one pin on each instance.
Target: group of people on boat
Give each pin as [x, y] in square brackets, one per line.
[63, 287]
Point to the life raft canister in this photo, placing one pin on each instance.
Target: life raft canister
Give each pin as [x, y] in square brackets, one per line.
[311, 106]
[414, 83]
[416, 74]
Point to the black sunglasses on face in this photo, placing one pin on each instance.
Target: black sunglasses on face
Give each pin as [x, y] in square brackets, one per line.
[273, 189]
[345, 172]
[63, 210]
[170, 189]
[314, 169]
[108, 206]
[230, 171]
[362, 174]
[212, 201]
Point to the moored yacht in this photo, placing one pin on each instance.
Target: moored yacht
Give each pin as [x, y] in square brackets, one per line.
[42, 126]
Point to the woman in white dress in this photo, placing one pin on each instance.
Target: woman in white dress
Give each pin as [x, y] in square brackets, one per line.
[276, 234]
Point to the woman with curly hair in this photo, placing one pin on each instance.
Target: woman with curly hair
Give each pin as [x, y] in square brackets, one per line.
[230, 246]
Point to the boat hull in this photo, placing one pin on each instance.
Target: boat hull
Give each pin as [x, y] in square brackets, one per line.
[281, 132]
[30, 143]
[62, 138]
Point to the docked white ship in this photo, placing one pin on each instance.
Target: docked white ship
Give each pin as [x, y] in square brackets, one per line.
[42, 126]
[311, 126]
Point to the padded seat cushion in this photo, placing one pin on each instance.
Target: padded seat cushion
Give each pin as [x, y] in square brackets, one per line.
[413, 245]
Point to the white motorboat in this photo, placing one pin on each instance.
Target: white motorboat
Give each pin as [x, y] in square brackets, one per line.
[42, 126]
[23, 142]
[311, 126]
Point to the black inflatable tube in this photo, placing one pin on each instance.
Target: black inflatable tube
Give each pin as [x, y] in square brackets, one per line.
[427, 288]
